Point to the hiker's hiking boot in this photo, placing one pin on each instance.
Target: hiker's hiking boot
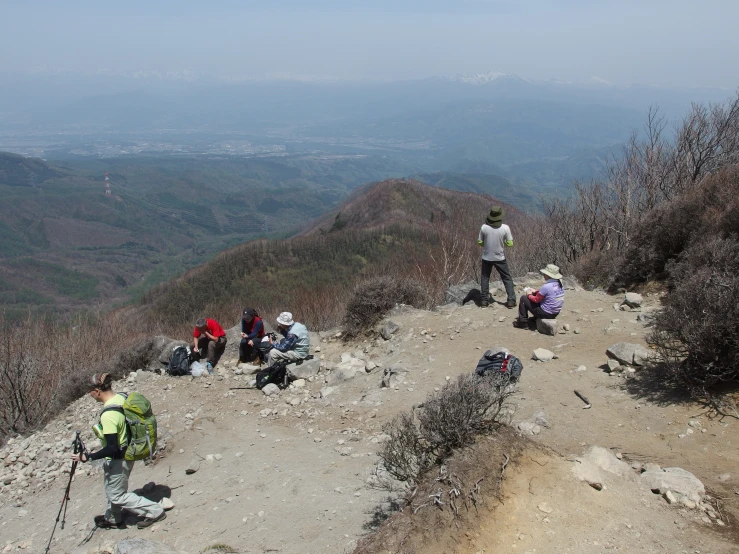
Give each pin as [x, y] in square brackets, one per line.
[484, 304]
[510, 304]
[518, 324]
[146, 522]
[103, 523]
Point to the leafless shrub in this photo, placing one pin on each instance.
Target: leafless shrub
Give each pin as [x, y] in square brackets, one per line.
[653, 169]
[449, 419]
[44, 362]
[403, 456]
[373, 298]
[697, 333]
[462, 410]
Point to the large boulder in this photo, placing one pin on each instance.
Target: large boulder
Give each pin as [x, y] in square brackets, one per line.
[307, 369]
[457, 293]
[674, 479]
[628, 353]
[166, 346]
[547, 326]
[142, 546]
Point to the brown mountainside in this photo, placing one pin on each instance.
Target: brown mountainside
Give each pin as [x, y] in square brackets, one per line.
[402, 201]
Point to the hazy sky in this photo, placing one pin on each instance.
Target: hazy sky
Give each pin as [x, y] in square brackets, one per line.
[664, 42]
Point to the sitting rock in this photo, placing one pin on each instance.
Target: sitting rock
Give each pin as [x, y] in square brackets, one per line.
[630, 354]
[307, 369]
[547, 326]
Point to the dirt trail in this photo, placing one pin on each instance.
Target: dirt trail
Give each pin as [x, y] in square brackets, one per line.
[294, 481]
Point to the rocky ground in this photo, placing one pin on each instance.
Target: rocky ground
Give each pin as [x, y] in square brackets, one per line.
[289, 472]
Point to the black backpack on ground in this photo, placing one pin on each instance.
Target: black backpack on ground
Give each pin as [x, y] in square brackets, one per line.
[500, 362]
[179, 363]
[276, 373]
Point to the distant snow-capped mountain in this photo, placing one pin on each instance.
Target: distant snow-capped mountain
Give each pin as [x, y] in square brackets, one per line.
[484, 78]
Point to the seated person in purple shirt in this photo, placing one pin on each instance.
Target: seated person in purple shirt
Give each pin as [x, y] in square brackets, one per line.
[545, 303]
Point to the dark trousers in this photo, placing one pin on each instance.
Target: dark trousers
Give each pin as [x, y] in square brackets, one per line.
[505, 276]
[249, 353]
[525, 305]
[214, 349]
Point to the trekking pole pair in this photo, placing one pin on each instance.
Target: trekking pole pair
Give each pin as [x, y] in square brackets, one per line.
[78, 448]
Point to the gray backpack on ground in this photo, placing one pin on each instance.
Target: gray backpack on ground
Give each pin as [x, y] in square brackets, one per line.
[500, 362]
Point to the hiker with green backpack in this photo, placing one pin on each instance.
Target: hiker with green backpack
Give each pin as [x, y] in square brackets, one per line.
[127, 430]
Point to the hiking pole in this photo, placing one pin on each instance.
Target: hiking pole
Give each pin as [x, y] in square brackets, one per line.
[77, 447]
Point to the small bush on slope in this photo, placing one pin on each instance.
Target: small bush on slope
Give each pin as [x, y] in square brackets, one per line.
[448, 420]
[373, 298]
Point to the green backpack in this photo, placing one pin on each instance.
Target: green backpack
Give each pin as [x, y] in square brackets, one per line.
[142, 426]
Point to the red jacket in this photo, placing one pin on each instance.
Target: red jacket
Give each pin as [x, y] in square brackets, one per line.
[214, 328]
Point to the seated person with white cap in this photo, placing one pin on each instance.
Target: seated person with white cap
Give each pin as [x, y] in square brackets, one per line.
[545, 303]
[294, 346]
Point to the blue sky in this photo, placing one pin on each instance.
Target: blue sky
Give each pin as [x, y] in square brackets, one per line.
[673, 43]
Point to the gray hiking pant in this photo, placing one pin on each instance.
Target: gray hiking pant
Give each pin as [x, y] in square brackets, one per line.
[214, 349]
[277, 356]
[505, 276]
[115, 480]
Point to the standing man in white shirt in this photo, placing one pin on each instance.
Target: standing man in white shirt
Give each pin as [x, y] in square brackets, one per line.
[494, 238]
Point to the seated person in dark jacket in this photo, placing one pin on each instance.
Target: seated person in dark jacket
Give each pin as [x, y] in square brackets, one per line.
[252, 333]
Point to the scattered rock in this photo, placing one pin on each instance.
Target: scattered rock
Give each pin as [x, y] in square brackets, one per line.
[271, 389]
[326, 391]
[390, 328]
[543, 355]
[633, 300]
[613, 366]
[627, 353]
[345, 371]
[669, 497]
[394, 376]
[544, 507]
[676, 480]
[607, 461]
[166, 503]
[644, 317]
[142, 546]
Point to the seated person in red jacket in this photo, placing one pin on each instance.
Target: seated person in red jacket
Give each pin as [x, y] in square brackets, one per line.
[209, 341]
[252, 333]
